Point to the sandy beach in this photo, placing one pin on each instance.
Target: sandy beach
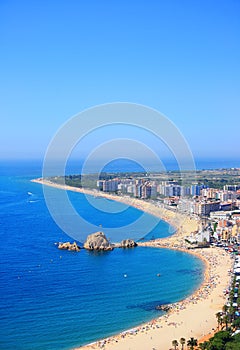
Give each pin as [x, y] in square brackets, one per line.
[192, 317]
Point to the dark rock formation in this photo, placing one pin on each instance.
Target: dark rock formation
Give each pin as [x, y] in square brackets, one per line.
[128, 243]
[97, 241]
[165, 308]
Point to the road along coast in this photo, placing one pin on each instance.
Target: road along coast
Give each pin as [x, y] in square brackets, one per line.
[194, 316]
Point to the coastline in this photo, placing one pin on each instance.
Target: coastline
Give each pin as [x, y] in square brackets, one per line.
[177, 220]
[191, 317]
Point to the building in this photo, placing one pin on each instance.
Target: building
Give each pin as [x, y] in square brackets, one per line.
[100, 184]
[185, 191]
[186, 206]
[236, 232]
[226, 206]
[172, 190]
[206, 207]
[195, 190]
[218, 215]
[137, 190]
[208, 193]
[110, 185]
[231, 188]
[146, 191]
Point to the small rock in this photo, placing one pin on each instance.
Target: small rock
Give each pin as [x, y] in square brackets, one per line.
[69, 246]
[128, 243]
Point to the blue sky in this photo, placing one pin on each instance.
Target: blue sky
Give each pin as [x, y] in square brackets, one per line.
[61, 57]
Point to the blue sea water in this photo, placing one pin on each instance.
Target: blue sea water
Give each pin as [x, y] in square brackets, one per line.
[53, 299]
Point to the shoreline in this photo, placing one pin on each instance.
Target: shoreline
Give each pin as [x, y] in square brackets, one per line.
[192, 317]
[173, 218]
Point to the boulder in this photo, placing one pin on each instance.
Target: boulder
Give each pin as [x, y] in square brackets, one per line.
[97, 241]
[128, 243]
[65, 245]
[69, 246]
[74, 247]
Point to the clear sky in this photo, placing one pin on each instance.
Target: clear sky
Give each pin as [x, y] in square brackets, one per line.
[181, 57]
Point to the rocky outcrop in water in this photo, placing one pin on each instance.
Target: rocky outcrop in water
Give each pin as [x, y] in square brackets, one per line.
[69, 246]
[128, 243]
[97, 241]
[165, 308]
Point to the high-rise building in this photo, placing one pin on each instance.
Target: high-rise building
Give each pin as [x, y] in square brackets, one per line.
[196, 190]
[110, 185]
[204, 208]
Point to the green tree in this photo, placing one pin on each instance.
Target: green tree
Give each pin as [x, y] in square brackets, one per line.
[232, 346]
[224, 336]
[175, 344]
[191, 343]
[182, 342]
[225, 308]
[204, 346]
[238, 299]
[236, 323]
[231, 313]
[219, 318]
[216, 344]
[225, 321]
[219, 340]
[222, 341]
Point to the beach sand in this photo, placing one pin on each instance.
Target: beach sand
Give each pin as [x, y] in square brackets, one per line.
[192, 317]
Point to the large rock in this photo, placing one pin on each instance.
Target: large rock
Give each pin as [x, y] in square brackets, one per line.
[128, 243]
[69, 246]
[97, 241]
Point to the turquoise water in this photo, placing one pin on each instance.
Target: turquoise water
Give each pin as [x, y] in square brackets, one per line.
[53, 299]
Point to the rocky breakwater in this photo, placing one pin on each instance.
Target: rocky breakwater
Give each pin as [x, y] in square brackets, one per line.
[69, 246]
[98, 241]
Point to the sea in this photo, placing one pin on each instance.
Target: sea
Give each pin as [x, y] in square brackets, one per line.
[52, 299]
